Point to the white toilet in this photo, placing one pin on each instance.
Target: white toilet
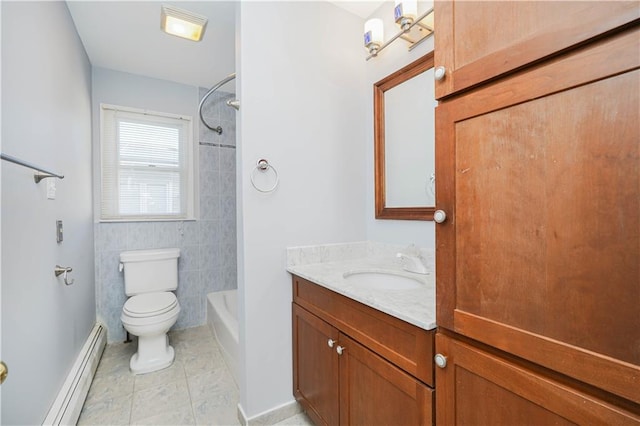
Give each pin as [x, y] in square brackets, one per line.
[150, 276]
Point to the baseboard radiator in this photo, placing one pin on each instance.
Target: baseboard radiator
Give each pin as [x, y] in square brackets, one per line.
[67, 406]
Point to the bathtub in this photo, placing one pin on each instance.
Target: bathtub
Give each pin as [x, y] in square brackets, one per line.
[222, 317]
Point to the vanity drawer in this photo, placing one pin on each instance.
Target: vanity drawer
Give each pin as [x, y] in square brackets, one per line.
[407, 346]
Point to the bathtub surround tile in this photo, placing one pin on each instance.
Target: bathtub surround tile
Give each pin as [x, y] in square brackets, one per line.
[189, 258]
[227, 159]
[188, 233]
[210, 183]
[209, 158]
[113, 236]
[209, 257]
[165, 234]
[109, 264]
[210, 207]
[189, 283]
[140, 235]
[211, 280]
[209, 232]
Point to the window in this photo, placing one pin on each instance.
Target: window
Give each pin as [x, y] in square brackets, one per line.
[147, 165]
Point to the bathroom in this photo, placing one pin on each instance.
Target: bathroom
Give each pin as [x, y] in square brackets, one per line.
[325, 192]
[306, 98]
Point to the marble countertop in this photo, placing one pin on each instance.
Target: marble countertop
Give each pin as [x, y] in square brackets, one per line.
[415, 306]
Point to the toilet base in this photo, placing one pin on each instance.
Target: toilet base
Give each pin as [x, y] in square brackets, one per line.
[154, 353]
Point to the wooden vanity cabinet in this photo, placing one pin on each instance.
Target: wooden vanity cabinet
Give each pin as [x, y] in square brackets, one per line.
[477, 41]
[539, 257]
[344, 362]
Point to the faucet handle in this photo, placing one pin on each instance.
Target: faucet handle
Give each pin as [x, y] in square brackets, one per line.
[413, 263]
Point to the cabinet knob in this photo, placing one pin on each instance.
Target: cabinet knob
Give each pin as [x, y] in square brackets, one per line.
[340, 349]
[439, 73]
[4, 371]
[331, 342]
[440, 360]
[439, 216]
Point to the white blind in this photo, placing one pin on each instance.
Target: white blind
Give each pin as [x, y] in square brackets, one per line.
[146, 165]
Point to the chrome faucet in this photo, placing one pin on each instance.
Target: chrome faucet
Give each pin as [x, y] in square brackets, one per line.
[413, 263]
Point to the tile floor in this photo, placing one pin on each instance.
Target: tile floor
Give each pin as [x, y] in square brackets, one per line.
[197, 389]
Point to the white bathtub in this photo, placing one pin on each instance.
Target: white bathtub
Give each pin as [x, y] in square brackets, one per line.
[222, 317]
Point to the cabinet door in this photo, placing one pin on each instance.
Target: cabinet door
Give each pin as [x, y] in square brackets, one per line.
[315, 367]
[539, 175]
[479, 40]
[375, 392]
[479, 388]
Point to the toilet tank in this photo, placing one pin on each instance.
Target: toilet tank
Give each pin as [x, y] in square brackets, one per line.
[148, 271]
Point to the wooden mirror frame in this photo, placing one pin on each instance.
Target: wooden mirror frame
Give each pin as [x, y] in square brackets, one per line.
[382, 211]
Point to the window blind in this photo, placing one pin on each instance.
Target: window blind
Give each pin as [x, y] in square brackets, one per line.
[146, 165]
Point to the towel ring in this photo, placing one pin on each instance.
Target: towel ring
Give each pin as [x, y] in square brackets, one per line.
[263, 166]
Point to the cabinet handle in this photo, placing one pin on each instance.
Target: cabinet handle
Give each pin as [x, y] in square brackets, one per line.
[331, 342]
[340, 349]
[440, 360]
[439, 73]
[439, 216]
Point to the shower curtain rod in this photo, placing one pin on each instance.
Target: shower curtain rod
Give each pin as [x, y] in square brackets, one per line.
[37, 177]
[204, 98]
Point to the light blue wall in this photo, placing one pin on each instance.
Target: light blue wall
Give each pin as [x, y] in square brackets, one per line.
[208, 245]
[46, 119]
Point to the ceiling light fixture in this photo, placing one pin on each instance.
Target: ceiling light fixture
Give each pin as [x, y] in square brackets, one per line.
[182, 23]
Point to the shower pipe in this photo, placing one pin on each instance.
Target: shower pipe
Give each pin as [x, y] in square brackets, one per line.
[235, 104]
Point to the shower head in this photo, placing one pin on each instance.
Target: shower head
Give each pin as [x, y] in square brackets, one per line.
[234, 104]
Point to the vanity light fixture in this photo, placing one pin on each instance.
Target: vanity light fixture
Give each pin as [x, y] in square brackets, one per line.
[182, 23]
[413, 29]
[405, 13]
[373, 35]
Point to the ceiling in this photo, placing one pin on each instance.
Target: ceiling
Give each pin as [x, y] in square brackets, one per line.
[125, 36]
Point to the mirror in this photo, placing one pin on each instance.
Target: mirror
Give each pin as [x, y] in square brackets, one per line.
[404, 137]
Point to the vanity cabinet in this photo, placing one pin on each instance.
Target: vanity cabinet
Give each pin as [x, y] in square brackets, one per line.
[354, 365]
[538, 260]
[479, 41]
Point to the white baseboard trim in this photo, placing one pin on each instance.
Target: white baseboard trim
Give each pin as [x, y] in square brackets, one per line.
[68, 404]
[271, 416]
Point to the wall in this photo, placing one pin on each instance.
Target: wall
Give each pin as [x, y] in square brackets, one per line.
[392, 58]
[208, 245]
[46, 117]
[301, 83]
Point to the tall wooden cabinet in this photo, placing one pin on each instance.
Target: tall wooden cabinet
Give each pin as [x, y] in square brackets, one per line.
[538, 165]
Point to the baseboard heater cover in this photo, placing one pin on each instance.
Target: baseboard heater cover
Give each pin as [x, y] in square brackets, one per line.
[68, 404]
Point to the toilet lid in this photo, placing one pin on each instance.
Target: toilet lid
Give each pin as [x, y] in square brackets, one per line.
[149, 304]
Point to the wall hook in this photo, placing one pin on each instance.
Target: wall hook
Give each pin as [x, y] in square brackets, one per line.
[64, 271]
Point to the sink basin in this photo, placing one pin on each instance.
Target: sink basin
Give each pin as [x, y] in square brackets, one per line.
[381, 280]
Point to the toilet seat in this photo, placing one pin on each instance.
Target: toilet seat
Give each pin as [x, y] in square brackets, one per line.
[149, 304]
